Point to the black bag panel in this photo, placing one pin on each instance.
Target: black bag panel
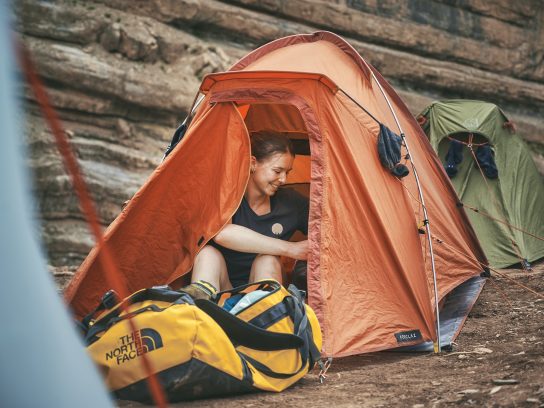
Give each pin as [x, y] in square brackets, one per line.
[188, 381]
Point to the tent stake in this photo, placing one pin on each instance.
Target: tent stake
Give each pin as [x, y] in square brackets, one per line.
[437, 345]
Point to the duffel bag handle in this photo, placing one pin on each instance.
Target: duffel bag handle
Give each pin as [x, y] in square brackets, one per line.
[156, 293]
[104, 325]
[108, 301]
[246, 334]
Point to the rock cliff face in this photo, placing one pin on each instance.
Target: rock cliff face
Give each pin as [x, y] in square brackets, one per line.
[123, 73]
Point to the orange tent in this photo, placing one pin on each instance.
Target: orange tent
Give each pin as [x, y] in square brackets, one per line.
[370, 274]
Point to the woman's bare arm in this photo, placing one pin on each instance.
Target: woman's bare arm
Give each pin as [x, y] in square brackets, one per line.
[242, 239]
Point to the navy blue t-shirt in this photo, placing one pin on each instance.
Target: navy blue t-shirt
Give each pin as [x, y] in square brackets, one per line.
[288, 213]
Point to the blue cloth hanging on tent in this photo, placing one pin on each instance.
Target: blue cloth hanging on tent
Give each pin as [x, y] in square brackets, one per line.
[454, 157]
[486, 159]
[389, 151]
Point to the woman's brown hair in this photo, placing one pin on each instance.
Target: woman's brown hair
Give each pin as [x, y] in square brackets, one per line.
[266, 143]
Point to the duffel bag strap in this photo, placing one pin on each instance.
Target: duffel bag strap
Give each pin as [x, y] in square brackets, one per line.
[104, 325]
[297, 312]
[156, 293]
[267, 371]
[302, 326]
[108, 301]
[246, 334]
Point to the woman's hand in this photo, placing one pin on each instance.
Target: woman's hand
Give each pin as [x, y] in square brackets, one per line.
[298, 250]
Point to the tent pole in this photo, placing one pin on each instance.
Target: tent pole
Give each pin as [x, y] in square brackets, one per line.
[438, 345]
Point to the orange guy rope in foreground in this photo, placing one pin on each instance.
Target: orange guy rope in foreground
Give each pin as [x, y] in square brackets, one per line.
[114, 279]
[501, 292]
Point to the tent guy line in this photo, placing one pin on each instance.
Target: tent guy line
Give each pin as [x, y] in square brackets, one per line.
[501, 292]
[494, 200]
[502, 275]
[481, 212]
[441, 241]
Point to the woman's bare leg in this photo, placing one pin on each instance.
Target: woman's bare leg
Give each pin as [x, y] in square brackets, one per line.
[266, 267]
[210, 266]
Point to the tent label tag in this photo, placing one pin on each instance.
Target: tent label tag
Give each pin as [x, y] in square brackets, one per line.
[408, 336]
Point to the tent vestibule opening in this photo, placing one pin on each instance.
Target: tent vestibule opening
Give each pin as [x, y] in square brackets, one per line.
[285, 119]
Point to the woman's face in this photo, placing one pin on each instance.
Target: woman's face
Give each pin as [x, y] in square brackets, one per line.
[271, 173]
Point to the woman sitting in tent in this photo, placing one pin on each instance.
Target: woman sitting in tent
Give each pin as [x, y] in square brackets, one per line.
[249, 248]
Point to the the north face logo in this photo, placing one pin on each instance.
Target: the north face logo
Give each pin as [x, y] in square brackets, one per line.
[134, 345]
[151, 339]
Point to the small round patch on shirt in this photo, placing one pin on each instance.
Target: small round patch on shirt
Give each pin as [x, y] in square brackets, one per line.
[277, 228]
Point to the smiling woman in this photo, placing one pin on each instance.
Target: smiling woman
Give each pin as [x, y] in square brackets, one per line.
[272, 159]
[249, 248]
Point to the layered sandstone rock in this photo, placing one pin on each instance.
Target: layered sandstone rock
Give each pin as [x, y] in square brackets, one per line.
[123, 73]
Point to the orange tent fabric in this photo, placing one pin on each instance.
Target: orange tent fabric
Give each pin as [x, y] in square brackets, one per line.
[369, 271]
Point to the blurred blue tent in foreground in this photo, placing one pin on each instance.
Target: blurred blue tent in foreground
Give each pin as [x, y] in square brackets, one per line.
[42, 360]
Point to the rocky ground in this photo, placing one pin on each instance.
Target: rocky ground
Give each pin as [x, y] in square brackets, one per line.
[498, 361]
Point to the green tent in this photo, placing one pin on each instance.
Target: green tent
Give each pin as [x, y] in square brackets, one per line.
[506, 209]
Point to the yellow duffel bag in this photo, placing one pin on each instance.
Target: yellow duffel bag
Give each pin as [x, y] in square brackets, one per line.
[199, 349]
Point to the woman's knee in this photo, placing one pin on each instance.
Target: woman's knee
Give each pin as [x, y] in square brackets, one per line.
[209, 253]
[268, 261]
[266, 267]
[209, 266]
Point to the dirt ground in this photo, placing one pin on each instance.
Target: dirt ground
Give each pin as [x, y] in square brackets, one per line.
[503, 339]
